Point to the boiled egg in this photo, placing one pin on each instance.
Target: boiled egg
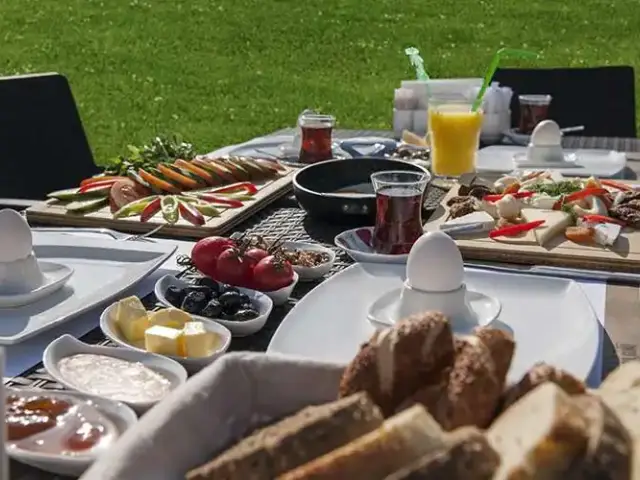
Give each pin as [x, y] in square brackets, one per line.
[546, 134]
[435, 264]
[16, 240]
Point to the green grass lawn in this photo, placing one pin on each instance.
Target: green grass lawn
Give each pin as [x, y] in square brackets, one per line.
[223, 71]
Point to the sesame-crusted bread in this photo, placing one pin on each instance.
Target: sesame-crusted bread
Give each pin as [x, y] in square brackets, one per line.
[501, 347]
[297, 439]
[396, 362]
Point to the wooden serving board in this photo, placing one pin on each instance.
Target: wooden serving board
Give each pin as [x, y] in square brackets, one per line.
[623, 256]
[53, 212]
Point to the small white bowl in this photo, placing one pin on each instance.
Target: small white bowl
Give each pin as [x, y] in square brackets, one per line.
[56, 276]
[356, 248]
[280, 297]
[120, 415]
[307, 274]
[261, 301]
[112, 332]
[67, 345]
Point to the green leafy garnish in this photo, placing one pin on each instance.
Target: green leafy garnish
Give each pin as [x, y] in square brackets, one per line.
[568, 208]
[161, 149]
[556, 189]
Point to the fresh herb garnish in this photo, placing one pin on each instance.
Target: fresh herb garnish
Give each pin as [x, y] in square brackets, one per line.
[161, 149]
[568, 208]
[556, 189]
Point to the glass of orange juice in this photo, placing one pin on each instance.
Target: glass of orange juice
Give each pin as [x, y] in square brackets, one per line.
[454, 136]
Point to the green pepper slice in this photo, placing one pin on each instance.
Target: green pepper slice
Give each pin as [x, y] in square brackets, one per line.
[169, 207]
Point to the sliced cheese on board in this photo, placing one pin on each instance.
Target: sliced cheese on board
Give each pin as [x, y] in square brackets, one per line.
[555, 223]
[480, 218]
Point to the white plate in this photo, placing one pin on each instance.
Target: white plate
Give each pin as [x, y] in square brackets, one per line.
[55, 276]
[238, 329]
[307, 274]
[103, 268]
[551, 318]
[499, 159]
[112, 332]
[66, 345]
[120, 415]
[356, 248]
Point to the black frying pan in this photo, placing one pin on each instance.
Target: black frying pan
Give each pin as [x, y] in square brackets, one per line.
[341, 190]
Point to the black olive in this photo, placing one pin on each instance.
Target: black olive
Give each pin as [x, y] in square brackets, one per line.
[244, 315]
[208, 293]
[230, 300]
[213, 309]
[209, 282]
[175, 295]
[228, 288]
[245, 298]
[194, 302]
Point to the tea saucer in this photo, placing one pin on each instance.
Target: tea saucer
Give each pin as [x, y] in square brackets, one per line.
[55, 275]
[357, 244]
[485, 309]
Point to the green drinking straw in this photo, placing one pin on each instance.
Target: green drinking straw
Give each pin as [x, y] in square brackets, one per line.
[493, 66]
[417, 62]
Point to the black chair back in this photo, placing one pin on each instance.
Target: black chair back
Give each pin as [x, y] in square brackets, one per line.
[601, 98]
[43, 146]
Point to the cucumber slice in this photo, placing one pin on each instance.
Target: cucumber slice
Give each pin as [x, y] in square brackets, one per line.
[87, 206]
[72, 194]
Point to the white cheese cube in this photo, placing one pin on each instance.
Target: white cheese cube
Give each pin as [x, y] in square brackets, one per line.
[164, 340]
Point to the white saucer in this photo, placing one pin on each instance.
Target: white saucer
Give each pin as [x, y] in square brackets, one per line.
[55, 275]
[485, 309]
[360, 251]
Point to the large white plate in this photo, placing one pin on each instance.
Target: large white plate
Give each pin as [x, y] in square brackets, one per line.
[551, 318]
[103, 268]
[600, 163]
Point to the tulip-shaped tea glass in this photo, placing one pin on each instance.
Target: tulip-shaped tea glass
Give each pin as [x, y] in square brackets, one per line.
[315, 132]
[399, 199]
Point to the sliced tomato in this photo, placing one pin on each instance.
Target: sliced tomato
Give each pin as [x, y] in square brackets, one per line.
[100, 178]
[124, 192]
[157, 182]
[200, 172]
[178, 177]
[232, 172]
[217, 169]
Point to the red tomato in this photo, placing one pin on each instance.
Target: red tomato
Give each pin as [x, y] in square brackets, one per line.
[124, 192]
[254, 255]
[272, 273]
[232, 268]
[205, 253]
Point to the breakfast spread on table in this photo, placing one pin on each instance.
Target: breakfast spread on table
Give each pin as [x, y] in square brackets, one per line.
[168, 331]
[419, 402]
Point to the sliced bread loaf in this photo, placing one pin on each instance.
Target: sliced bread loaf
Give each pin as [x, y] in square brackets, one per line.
[539, 436]
[625, 377]
[402, 439]
[467, 455]
[609, 449]
[293, 441]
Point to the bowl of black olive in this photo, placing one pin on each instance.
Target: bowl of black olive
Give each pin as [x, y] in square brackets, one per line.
[241, 310]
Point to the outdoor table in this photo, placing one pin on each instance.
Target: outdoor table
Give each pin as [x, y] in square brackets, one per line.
[285, 219]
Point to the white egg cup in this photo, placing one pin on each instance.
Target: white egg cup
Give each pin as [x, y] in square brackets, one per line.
[465, 309]
[545, 153]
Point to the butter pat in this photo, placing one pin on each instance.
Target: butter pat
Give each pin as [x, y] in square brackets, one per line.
[198, 342]
[164, 340]
[169, 317]
[132, 318]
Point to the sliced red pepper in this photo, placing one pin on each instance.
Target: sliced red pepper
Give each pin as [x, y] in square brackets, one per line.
[249, 187]
[616, 185]
[227, 202]
[495, 198]
[513, 230]
[101, 178]
[513, 188]
[92, 186]
[190, 214]
[587, 192]
[602, 219]
[150, 210]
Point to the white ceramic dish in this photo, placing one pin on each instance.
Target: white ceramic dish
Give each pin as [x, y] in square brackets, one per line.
[499, 159]
[280, 297]
[55, 275]
[307, 274]
[66, 345]
[112, 332]
[103, 268]
[118, 413]
[261, 301]
[356, 248]
[551, 318]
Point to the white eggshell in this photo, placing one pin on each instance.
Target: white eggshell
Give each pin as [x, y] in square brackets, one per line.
[546, 133]
[16, 240]
[435, 263]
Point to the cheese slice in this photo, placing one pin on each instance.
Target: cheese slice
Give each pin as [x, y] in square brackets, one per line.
[198, 342]
[481, 218]
[169, 317]
[132, 318]
[164, 340]
[556, 221]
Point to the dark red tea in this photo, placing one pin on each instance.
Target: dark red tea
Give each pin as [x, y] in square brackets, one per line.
[316, 143]
[533, 110]
[398, 219]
